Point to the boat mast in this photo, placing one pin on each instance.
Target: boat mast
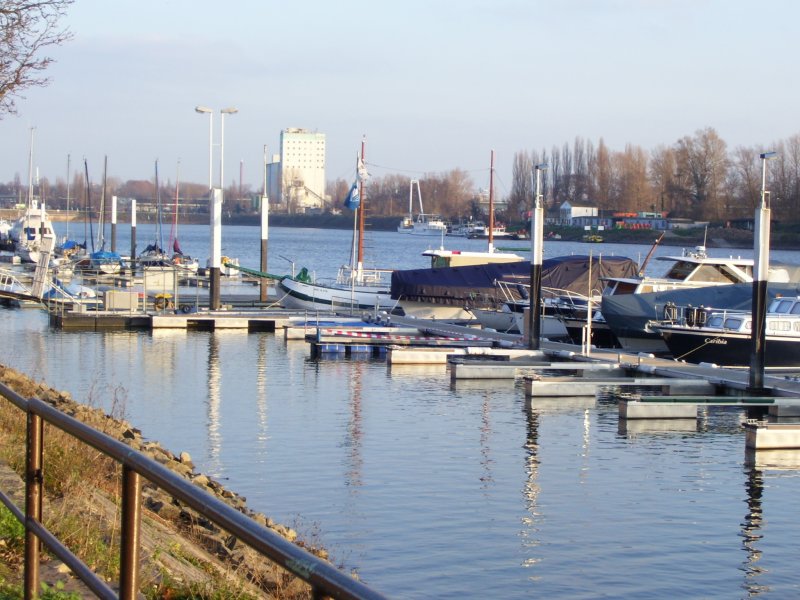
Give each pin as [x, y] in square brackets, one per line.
[491, 203]
[159, 235]
[101, 227]
[173, 234]
[69, 216]
[362, 198]
[30, 172]
[89, 202]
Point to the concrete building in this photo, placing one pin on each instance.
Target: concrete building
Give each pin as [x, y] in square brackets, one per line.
[302, 170]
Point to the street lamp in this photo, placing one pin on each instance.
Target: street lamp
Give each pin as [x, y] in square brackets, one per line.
[210, 113]
[223, 112]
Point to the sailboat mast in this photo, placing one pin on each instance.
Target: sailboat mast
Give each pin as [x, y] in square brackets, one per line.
[101, 227]
[159, 234]
[491, 202]
[89, 201]
[69, 215]
[173, 234]
[361, 206]
[30, 172]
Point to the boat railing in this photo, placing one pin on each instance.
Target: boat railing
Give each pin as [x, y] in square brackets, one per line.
[324, 579]
[700, 316]
[369, 277]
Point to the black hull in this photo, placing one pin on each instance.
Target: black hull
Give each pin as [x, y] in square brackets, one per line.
[628, 315]
[729, 349]
[602, 336]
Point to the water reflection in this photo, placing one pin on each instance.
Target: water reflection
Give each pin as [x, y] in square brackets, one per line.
[261, 392]
[353, 441]
[531, 490]
[485, 435]
[213, 421]
[751, 532]
[632, 428]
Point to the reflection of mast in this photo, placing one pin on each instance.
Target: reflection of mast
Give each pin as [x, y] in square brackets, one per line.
[486, 428]
[531, 489]
[751, 531]
[214, 380]
[261, 385]
[354, 431]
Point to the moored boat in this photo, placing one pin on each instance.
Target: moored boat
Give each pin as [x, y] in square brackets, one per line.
[355, 287]
[630, 303]
[724, 337]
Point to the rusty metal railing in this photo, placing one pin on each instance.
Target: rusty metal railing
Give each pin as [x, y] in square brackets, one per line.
[324, 579]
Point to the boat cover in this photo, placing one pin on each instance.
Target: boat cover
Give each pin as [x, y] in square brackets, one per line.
[475, 285]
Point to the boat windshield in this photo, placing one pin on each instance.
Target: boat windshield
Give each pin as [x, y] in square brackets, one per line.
[785, 306]
[714, 274]
[680, 270]
[735, 323]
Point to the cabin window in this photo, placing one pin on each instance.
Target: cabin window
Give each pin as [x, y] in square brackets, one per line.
[714, 321]
[783, 306]
[733, 323]
[778, 325]
[623, 287]
[795, 309]
[797, 325]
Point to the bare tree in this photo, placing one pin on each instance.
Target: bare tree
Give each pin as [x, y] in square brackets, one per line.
[519, 200]
[603, 176]
[703, 162]
[28, 28]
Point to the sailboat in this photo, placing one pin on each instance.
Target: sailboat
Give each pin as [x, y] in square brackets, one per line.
[33, 226]
[153, 255]
[355, 288]
[407, 224]
[179, 259]
[105, 261]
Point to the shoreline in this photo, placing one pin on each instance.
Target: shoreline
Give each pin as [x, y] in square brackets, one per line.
[713, 238]
[166, 539]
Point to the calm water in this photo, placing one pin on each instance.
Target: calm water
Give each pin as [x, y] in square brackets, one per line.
[429, 490]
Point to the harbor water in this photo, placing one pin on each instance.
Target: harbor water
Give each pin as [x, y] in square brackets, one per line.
[427, 489]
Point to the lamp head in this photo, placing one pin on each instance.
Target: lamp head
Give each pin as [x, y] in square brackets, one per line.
[768, 155]
[229, 111]
[542, 167]
[203, 109]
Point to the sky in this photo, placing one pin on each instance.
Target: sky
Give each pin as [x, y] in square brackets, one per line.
[431, 85]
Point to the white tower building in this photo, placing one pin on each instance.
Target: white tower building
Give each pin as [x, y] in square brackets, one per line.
[302, 171]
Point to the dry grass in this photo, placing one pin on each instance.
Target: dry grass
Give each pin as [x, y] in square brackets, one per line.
[82, 499]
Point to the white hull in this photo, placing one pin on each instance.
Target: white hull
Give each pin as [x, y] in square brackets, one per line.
[315, 296]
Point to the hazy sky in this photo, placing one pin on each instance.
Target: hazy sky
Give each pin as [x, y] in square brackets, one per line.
[433, 85]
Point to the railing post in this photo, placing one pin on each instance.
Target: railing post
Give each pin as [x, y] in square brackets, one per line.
[129, 545]
[33, 502]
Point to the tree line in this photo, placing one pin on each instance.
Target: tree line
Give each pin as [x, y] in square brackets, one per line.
[697, 177]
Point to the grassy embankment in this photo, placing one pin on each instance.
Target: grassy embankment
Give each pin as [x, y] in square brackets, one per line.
[182, 555]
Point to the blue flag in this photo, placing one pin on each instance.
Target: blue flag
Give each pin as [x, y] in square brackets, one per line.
[352, 200]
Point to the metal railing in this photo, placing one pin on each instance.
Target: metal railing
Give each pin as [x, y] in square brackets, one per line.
[324, 579]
